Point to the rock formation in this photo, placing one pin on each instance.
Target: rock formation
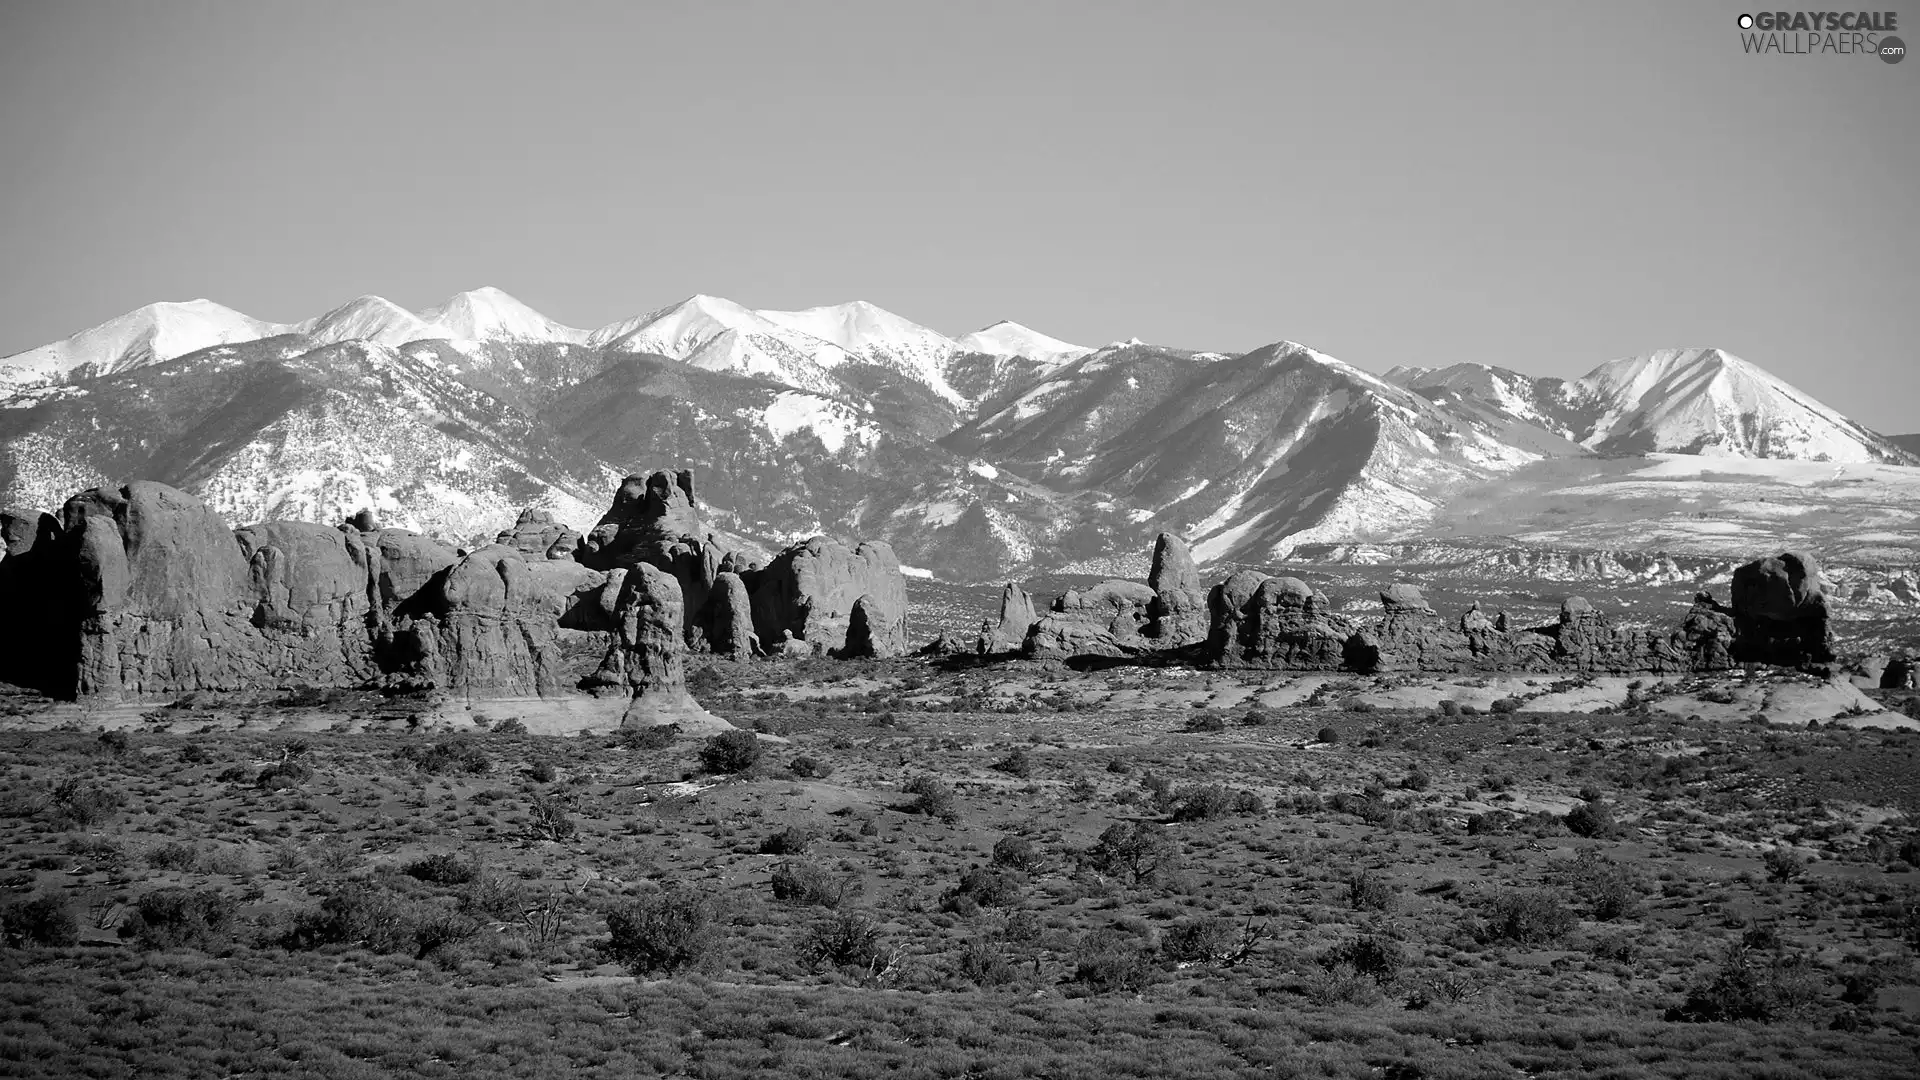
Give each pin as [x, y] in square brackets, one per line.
[35, 648]
[870, 632]
[536, 535]
[1177, 615]
[808, 591]
[1780, 612]
[1007, 632]
[1261, 621]
[1105, 620]
[648, 655]
[655, 520]
[729, 620]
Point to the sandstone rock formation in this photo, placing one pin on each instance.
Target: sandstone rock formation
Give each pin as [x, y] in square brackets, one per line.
[871, 632]
[808, 591]
[1105, 620]
[1261, 621]
[729, 620]
[1780, 612]
[1177, 615]
[655, 520]
[536, 535]
[1007, 632]
[648, 654]
[33, 644]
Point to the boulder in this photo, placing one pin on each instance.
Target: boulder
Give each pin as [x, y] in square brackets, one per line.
[1401, 598]
[1177, 615]
[1780, 612]
[729, 628]
[871, 631]
[36, 637]
[808, 591]
[1008, 632]
[1105, 620]
[947, 643]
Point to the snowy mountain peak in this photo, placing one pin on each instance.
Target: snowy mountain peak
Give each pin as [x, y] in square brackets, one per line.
[878, 336]
[490, 314]
[145, 335]
[369, 318]
[1009, 338]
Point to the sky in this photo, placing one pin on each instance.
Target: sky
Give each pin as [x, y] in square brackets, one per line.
[1539, 185]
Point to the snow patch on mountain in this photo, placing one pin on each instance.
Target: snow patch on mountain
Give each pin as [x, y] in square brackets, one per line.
[1008, 338]
[832, 422]
[879, 337]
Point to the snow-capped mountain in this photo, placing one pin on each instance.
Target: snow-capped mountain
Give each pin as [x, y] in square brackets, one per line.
[142, 336]
[714, 334]
[978, 455]
[1689, 401]
[879, 337]
[1009, 338]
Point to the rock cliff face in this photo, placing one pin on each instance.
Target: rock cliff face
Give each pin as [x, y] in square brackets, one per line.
[1780, 612]
[809, 590]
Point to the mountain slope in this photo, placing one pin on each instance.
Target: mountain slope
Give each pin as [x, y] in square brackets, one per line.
[713, 334]
[1689, 401]
[145, 335]
[881, 338]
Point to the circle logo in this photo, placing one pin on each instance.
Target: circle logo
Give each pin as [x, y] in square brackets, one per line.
[1746, 22]
[1892, 50]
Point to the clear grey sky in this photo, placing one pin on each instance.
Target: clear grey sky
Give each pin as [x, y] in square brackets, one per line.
[1539, 185]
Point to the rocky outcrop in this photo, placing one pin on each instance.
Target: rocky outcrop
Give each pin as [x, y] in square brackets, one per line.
[729, 622]
[1177, 614]
[1007, 632]
[536, 535]
[871, 632]
[647, 657]
[808, 592]
[1280, 622]
[1105, 620]
[489, 625]
[1780, 612]
[311, 596]
[655, 520]
[36, 645]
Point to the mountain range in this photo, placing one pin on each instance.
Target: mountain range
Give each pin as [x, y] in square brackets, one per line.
[993, 452]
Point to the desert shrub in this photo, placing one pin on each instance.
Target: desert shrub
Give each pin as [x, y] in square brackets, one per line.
[1748, 984]
[1249, 803]
[844, 939]
[1491, 823]
[1620, 948]
[453, 755]
[932, 798]
[1259, 717]
[1137, 852]
[175, 855]
[1783, 865]
[730, 752]
[1328, 735]
[1611, 889]
[1469, 710]
[442, 869]
[650, 739]
[1371, 955]
[1416, 780]
[289, 772]
[542, 772]
[1159, 791]
[792, 840]
[364, 913]
[512, 725]
[1015, 853]
[1212, 940]
[1504, 706]
[1592, 819]
[82, 804]
[805, 882]
[1205, 723]
[114, 743]
[670, 930]
[1449, 707]
[807, 768]
[1370, 890]
[989, 886]
[1018, 763]
[1527, 918]
[1203, 803]
[1110, 960]
[42, 920]
[984, 963]
[180, 918]
[547, 819]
